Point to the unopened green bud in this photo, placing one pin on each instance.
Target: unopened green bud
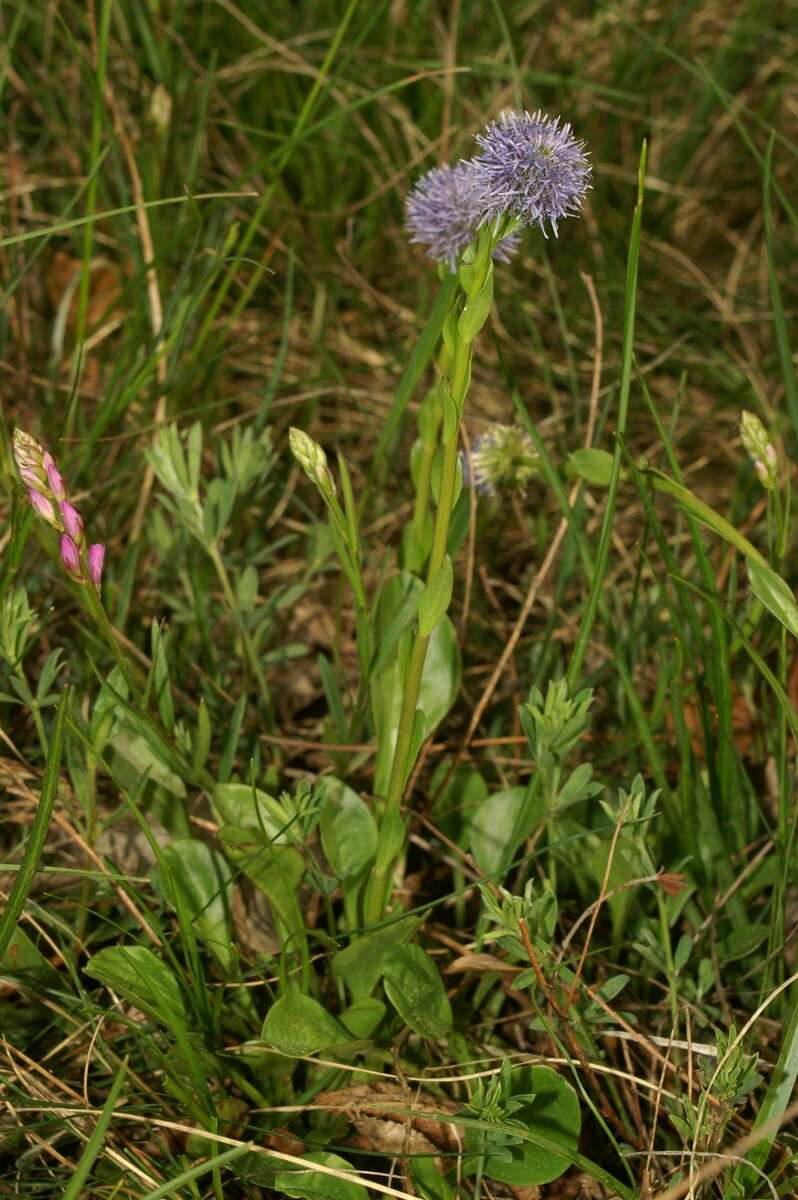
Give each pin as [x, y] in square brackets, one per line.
[311, 459]
[759, 449]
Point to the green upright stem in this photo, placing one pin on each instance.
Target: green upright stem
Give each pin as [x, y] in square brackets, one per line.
[440, 538]
[376, 896]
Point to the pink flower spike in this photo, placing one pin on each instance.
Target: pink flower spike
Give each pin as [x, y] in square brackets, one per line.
[54, 477]
[70, 556]
[96, 560]
[43, 506]
[73, 522]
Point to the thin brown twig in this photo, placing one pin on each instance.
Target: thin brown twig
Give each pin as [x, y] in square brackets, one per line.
[604, 1104]
[616, 833]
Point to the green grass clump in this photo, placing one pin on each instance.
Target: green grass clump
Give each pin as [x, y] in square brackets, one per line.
[247, 948]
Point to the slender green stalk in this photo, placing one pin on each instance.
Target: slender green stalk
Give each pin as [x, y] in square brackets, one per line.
[250, 653]
[418, 655]
[602, 555]
[95, 1142]
[476, 278]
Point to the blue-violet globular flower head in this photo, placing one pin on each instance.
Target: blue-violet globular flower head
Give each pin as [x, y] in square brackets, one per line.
[531, 167]
[444, 212]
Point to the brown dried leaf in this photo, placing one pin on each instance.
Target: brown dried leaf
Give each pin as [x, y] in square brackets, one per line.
[252, 922]
[479, 962]
[379, 1114]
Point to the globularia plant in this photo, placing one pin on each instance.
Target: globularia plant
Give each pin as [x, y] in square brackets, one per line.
[530, 171]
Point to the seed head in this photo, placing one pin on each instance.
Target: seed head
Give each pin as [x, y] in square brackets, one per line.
[532, 168]
[28, 455]
[504, 458]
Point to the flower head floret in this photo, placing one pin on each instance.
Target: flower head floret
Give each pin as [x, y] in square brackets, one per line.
[444, 212]
[503, 458]
[532, 168]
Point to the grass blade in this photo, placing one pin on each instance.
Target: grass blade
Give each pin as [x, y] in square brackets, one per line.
[95, 1142]
[33, 852]
[603, 553]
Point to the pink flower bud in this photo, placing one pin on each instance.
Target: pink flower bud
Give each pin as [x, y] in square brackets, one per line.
[30, 477]
[54, 476]
[73, 523]
[762, 471]
[70, 556]
[96, 560]
[43, 506]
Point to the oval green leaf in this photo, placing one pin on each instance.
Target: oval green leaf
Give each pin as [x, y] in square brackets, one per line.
[202, 878]
[297, 1025]
[348, 830]
[414, 987]
[313, 1185]
[142, 979]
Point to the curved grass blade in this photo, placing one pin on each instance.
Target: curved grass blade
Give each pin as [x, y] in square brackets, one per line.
[33, 851]
[95, 1142]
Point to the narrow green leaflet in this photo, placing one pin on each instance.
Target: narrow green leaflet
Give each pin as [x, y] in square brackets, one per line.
[435, 598]
[594, 466]
[439, 683]
[414, 987]
[94, 1145]
[776, 595]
